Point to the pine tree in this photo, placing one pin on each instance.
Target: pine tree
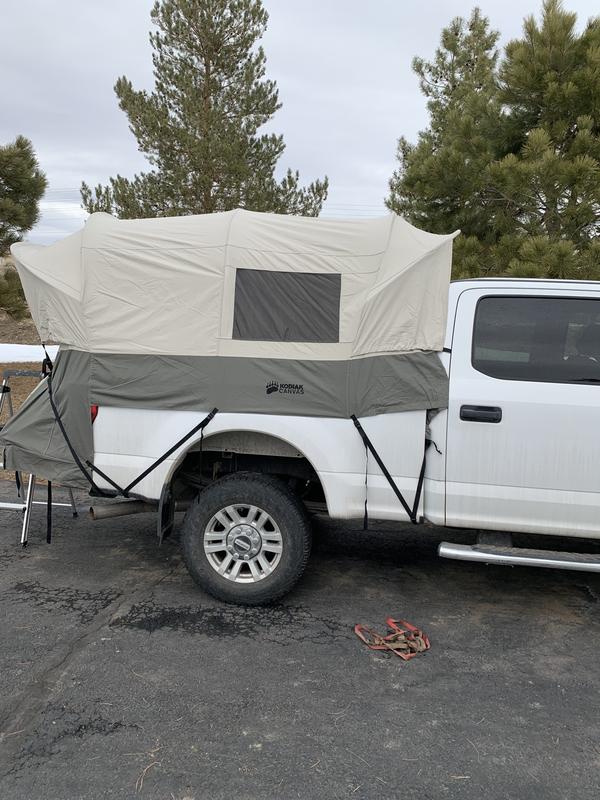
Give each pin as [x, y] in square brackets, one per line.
[549, 186]
[200, 127]
[514, 160]
[438, 182]
[22, 185]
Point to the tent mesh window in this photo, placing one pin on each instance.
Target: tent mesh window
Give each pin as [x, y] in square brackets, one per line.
[286, 306]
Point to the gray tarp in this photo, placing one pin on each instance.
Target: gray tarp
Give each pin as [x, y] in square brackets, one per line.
[365, 387]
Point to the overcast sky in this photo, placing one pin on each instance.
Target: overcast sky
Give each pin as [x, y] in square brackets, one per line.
[342, 67]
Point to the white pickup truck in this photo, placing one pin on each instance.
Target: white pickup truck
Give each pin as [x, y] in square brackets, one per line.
[515, 451]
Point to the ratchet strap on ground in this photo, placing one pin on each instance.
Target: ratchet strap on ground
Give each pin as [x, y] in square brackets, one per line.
[370, 448]
[405, 640]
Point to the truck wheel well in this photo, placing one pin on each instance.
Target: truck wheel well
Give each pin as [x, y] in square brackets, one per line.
[247, 451]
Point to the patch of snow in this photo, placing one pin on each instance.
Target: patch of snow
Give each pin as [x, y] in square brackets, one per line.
[11, 353]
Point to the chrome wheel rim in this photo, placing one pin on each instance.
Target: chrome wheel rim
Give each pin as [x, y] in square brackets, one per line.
[243, 543]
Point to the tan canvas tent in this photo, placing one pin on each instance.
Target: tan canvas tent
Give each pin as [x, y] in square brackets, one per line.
[242, 311]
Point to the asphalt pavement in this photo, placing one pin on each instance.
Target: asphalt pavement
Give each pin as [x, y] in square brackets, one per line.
[121, 679]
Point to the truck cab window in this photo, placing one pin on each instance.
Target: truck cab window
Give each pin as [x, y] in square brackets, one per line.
[544, 339]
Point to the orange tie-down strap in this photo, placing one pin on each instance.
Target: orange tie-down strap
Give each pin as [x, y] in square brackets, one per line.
[405, 641]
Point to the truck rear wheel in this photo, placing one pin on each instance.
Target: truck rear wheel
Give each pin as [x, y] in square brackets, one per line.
[246, 539]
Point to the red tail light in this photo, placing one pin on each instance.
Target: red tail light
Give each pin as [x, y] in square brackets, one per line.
[93, 413]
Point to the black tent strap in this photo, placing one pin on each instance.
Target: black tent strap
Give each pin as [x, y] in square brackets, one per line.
[74, 455]
[98, 471]
[366, 514]
[125, 492]
[49, 514]
[47, 365]
[411, 512]
[199, 427]
[88, 475]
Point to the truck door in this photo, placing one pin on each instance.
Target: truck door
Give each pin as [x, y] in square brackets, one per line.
[523, 445]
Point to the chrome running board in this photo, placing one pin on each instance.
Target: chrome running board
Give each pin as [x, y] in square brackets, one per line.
[520, 556]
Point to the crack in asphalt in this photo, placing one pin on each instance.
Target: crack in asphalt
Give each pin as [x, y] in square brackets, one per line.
[59, 722]
[24, 710]
[87, 605]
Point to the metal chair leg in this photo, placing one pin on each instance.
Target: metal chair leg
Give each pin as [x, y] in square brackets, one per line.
[4, 392]
[73, 506]
[27, 514]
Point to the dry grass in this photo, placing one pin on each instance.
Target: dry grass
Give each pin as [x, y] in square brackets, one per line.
[17, 331]
[20, 387]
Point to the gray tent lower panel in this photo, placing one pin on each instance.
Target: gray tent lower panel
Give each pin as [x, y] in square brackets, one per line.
[32, 440]
[49, 467]
[365, 387]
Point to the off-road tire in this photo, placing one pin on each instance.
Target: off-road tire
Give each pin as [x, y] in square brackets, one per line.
[273, 496]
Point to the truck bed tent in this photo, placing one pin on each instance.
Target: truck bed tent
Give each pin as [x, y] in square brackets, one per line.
[242, 311]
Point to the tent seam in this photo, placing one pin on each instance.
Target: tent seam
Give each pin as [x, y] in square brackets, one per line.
[219, 338]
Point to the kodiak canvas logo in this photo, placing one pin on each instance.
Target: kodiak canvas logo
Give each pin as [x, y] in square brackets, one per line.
[284, 388]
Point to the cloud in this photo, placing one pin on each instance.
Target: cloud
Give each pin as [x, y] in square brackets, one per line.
[342, 67]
